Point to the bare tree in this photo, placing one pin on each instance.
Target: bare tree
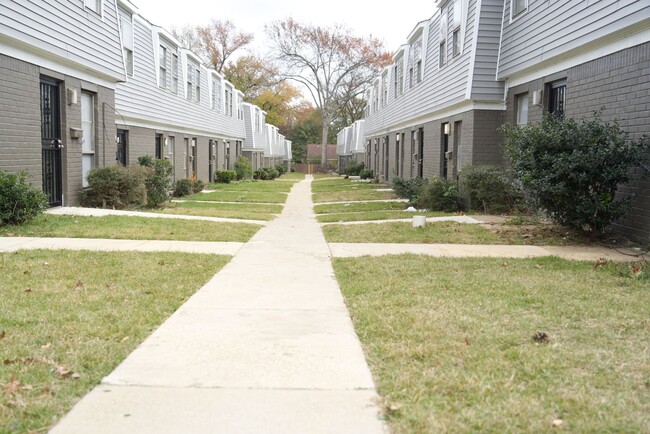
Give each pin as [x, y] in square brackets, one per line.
[330, 62]
[220, 39]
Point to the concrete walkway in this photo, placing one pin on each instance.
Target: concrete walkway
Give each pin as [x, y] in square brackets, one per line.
[11, 244]
[267, 346]
[97, 212]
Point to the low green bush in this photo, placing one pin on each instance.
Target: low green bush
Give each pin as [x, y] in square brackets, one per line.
[367, 174]
[440, 195]
[19, 200]
[158, 179]
[182, 187]
[282, 169]
[408, 188]
[353, 168]
[197, 186]
[243, 168]
[115, 187]
[488, 188]
[225, 176]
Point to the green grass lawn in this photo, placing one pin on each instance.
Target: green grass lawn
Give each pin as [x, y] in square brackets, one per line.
[131, 228]
[359, 207]
[451, 343]
[450, 233]
[67, 319]
[343, 184]
[241, 196]
[352, 195]
[229, 210]
[259, 186]
[292, 176]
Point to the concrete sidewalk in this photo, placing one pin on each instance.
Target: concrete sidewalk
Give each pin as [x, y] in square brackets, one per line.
[266, 346]
[97, 212]
[11, 244]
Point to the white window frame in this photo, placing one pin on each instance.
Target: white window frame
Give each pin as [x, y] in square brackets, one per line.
[162, 66]
[521, 110]
[88, 144]
[516, 14]
[197, 85]
[175, 65]
[99, 4]
[128, 42]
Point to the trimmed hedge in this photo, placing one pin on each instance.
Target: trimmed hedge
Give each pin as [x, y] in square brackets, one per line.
[115, 187]
[225, 176]
[19, 200]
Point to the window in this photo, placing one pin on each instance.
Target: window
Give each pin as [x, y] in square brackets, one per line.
[395, 80]
[521, 107]
[557, 97]
[127, 43]
[443, 54]
[88, 129]
[197, 94]
[415, 62]
[375, 98]
[257, 121]
[456, 42]
[517, 7]
[94, 5]
[229, 102]
[384, 89]
[162, 79]
[190, 83]
[175, 73]
[401, 76]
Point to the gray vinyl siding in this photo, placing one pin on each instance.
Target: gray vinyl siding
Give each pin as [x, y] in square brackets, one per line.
[447, 86]
[484, 85]
[68, 30]
[142, 99]
[550, 29]
[249, 121]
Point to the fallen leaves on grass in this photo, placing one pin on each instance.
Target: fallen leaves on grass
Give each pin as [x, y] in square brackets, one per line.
[540, 337]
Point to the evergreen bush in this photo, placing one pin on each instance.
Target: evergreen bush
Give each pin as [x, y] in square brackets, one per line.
[243, 168]
[115, 187]
[440, 195]
[408, 188]
[19, 200]
[158, 179]
[225, 176]
[573, 169]
[488, 188]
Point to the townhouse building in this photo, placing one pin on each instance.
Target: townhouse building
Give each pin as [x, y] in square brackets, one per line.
[105, 86]
[476, 64]
[57, 82]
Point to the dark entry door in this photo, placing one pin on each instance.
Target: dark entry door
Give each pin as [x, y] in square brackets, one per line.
[51, 142]
[420, 153]
[122, 146]
[211, 160]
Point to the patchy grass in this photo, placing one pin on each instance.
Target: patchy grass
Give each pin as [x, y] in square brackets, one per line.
[352, 195]
[258, 186]
[374, 215]
[292, 176]
[432, 233]
[131, 228]
[229, 210]
[452, 233]
[479, 345]
[342, 185]
[242, 196]
[67, 319]
[359, 207]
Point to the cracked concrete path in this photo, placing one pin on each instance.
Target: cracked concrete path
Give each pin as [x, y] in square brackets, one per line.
[267, 346]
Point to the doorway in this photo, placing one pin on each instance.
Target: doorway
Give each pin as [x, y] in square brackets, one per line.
[51, 144]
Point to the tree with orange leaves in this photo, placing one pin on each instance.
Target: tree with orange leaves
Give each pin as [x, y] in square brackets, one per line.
[334, 65]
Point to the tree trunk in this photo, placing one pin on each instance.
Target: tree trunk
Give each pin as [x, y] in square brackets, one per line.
[326, 128]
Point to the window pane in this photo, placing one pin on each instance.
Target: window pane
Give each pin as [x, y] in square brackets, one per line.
[522, 108]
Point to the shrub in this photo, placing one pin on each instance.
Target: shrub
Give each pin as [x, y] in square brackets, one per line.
[573, 168]
[366, 174]
[182, 187]
[282, 169]
[115, 187]
[225, 176]
[271, 173]
[197, 186]
[259, 174]
[354, 168]
[439, 195]
[19, 200]
[408, 188]
[243, 168]
[158, 179]
[489, 188]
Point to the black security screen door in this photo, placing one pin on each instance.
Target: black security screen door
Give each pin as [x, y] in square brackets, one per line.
[51, 142]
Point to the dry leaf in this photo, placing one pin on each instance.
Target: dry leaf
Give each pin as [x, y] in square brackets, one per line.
[75, 376]
[63, 371]
[540, 337]
[539, 266]
[28, 290]
[124, 339]
[505, 264]
[600, 263]
[3, 334]
[27, 387]
[466, 341]
[11, 387]
[46, 346]
[79, 284]
[46, 263]
[161, 263]
[27, 272]
[557, 422]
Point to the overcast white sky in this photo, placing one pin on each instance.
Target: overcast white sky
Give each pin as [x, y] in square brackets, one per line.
[390, 22]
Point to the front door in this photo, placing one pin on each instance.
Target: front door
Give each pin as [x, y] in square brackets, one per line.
[212, 150]
[122, 146]
[51, 142]
[420, 153]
